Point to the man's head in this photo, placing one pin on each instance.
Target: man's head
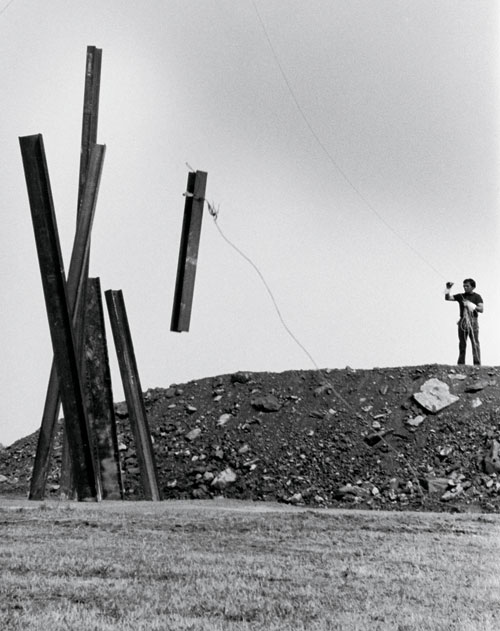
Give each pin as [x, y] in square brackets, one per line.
[469, 285]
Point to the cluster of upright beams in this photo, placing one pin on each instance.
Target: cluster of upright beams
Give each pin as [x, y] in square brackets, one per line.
[74, 310]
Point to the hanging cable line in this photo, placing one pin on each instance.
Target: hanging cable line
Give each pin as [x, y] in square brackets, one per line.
[214, 213]
[329, 155]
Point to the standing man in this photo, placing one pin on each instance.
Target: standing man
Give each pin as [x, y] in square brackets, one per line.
[471, 304]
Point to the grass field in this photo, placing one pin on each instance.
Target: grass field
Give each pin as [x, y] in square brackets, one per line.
[226, 565]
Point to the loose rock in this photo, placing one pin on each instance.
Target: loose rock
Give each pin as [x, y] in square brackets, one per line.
[228, 476]
[267, 403]
[435, 395]
[492, 459]
[193, 434]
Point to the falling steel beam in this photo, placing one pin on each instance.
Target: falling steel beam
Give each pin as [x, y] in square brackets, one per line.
[59, 315]
[188, 251]
[133, 393]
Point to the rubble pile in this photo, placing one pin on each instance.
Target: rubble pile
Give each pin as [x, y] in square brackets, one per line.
[409, 438]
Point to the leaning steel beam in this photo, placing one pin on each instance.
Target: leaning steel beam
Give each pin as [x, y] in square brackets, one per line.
[88, 140]
[133, 393]
[76, 276]
[90, 112]
[188, 251]
[89, 135]
[99, 395]
[59, 315]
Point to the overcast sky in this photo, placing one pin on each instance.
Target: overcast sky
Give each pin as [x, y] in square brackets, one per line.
[352, 149]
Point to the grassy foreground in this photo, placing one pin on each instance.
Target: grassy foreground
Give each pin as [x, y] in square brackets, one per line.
[216, 566]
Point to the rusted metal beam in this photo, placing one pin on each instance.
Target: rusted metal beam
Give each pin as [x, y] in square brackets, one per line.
[77, 275]
[188, 251]
[67, 490]
[59, 315]
[133, 393]
[88, 140]
[99, 394]
[90, 112]
[45, 438]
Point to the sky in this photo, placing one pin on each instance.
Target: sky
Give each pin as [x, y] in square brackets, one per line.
[352, 149]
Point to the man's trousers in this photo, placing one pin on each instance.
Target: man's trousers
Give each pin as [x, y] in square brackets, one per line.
[469, 329]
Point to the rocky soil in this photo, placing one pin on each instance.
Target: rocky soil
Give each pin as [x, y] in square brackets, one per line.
[409, 438]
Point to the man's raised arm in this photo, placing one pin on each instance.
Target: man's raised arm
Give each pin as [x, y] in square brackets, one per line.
[447, 295]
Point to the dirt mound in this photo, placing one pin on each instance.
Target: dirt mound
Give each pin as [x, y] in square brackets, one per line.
[420, 438]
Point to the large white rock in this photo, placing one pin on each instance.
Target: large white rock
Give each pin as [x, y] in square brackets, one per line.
[435, 395]
[221, 480]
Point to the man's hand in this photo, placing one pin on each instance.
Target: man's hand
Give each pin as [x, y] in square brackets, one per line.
[449, 285]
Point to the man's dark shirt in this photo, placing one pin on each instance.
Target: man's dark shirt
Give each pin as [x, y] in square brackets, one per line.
[472, 297]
